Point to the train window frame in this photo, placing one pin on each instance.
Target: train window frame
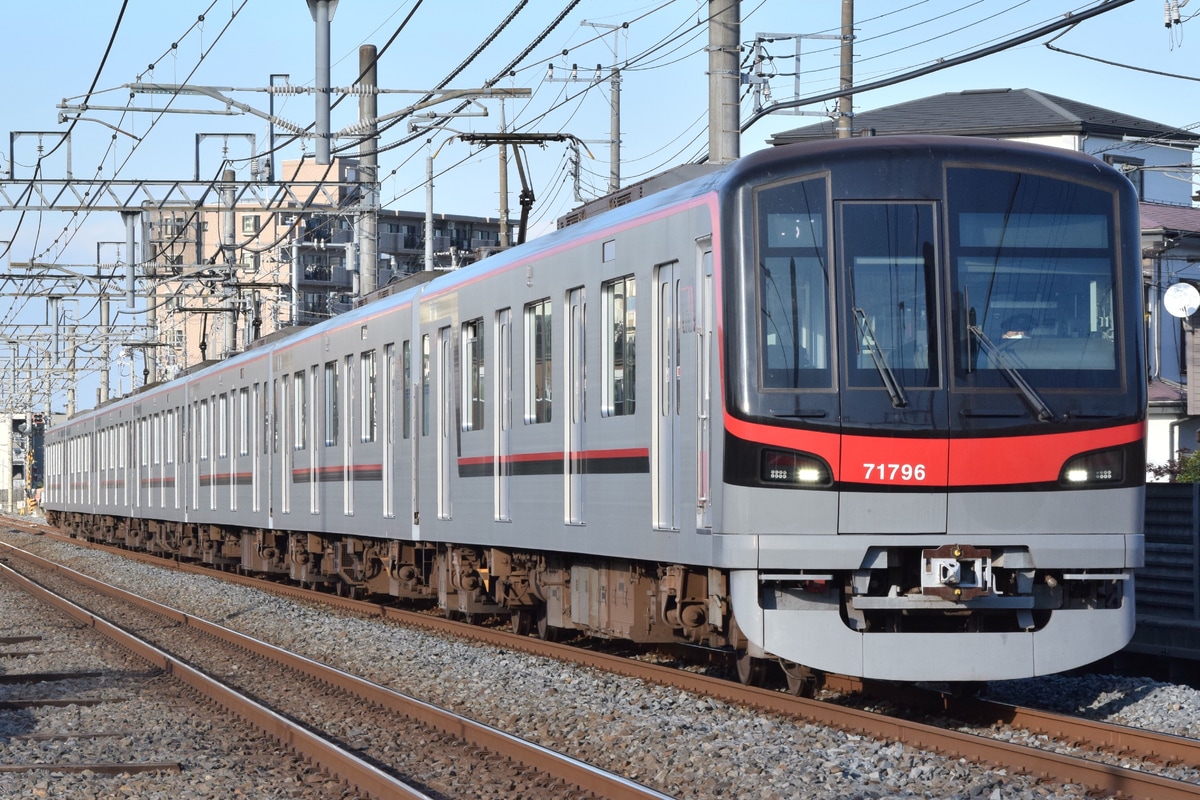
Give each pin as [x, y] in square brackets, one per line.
[368, 378]
[332, 417]
[618, 347]
[814, 369]
[539, 361]
[474, 371]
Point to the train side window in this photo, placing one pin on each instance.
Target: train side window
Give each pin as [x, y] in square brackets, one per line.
[300, 396]
[367, 375]
[202, 430]
[473, 375]
[243, 413]
[425, 375]
[406, 365]
[331, 403]
[275, 416]
[169, 438]
[619, 298]
[538, 362]
[222, 425]
[389, 392]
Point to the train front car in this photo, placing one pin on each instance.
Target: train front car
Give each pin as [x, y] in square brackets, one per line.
[935, 407]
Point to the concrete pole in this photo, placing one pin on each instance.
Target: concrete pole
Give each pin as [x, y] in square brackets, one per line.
[322, 14]
[70, 370]
[845, 104]
[429, 213]
[229, 249]
[130, 219]
[614, 148]
[724, 39]
[503, 182]
[368, 171]
[295, 282]
[105, 342]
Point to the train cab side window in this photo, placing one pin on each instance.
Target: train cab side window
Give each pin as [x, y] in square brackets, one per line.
[331, 403]
[473, 375]
[792, 282]
[619, 298]
[369, 421]
[538, 362]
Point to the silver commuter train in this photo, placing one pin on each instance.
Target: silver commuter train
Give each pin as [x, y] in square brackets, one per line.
[871, 406]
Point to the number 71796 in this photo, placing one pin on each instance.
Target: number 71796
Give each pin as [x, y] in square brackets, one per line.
[893, 472]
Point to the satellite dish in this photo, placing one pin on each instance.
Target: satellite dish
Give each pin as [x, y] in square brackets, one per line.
[1181, 300]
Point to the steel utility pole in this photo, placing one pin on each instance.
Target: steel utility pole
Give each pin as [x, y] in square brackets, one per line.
[724, 79]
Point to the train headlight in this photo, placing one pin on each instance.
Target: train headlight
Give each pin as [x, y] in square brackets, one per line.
[789, 468]
[1094, 469]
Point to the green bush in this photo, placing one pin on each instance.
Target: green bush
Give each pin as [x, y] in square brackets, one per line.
[1184, 468]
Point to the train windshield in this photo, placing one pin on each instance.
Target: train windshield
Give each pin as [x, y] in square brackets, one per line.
[1033, 277]
[793, 287]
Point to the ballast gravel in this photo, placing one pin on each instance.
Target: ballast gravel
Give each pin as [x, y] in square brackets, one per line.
[683, 745]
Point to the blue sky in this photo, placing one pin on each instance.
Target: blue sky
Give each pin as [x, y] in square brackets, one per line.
[54, 49]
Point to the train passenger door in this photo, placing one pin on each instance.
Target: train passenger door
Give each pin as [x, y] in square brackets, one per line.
[502, 448]
[666, 398]
[575, 375]
[893, 391]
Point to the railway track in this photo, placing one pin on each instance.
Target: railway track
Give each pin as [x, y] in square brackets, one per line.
[82, 717]
[1084, 739]
[341, 722]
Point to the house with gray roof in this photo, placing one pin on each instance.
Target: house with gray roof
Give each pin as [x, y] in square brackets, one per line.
[1157, 158]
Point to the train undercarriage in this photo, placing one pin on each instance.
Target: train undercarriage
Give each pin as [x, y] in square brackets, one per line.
[546, 593]
[961, 590]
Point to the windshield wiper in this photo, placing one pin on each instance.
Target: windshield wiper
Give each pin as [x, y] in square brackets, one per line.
[899, 400]
[1044, 413]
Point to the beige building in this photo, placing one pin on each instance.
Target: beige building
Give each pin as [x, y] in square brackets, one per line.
[221, 277]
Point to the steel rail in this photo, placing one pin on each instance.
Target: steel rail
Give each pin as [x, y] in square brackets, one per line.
[346, 766]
